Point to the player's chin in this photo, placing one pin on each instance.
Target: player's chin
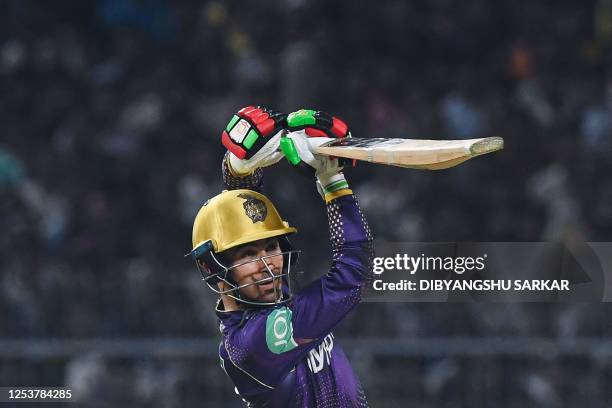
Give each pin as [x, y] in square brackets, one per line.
[269, 294]
[266, 298]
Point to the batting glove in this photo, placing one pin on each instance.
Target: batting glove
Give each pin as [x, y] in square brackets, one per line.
[297, 147]
[252, 137]
[317, 124]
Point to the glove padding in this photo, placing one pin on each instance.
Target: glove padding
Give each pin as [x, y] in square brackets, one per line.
[267, 155]
[317, 124]
[327, 170]
[252, 136]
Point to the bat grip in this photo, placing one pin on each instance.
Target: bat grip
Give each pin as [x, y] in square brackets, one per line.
[314, 142]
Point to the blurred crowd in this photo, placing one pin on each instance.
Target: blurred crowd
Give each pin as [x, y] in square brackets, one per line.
[111, 113]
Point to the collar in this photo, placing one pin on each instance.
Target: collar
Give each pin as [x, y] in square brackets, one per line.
[228, 318]
[224, 314]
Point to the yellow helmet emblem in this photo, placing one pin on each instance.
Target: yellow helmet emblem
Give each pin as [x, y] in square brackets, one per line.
[236, 217]
[254, 208]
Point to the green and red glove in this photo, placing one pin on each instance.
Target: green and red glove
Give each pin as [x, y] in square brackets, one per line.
[252, 137]
[317, 124]
[312, 124]
[306, 130]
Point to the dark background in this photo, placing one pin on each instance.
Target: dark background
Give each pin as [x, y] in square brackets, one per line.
[110, 118]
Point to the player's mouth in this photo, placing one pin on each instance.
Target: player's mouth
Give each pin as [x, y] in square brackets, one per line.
[267, 284]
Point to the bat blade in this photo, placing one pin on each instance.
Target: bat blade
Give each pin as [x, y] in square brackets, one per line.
[410, 153]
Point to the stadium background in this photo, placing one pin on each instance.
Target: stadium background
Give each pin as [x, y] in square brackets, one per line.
[111, 113]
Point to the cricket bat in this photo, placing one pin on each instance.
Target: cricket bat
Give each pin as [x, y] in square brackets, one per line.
[410, 153]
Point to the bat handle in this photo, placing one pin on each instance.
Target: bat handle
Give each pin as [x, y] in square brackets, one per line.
[314, 142]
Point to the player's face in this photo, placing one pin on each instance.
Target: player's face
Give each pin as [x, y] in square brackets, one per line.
[251, 269]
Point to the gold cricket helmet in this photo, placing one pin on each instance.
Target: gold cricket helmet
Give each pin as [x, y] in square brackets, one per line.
[233, 218]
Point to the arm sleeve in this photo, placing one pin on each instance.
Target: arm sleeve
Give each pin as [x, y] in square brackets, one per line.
[325, 302]
[231, 181]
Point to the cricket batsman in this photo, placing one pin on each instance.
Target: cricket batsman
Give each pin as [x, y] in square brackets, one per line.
[277, 347]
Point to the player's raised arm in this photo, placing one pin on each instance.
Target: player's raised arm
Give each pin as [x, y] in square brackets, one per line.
[252, 139]
[322, 304]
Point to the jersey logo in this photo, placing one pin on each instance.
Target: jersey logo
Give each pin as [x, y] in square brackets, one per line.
[254, 208]
[279, 331]
[318, 356]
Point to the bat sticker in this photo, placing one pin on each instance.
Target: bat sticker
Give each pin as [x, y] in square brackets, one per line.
[363, 142]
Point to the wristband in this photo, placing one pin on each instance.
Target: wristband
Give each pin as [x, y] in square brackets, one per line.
[334, 186]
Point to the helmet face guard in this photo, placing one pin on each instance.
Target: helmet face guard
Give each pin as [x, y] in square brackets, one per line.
[213, 271]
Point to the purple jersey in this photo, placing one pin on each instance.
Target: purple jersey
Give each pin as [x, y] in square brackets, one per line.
[287, 356]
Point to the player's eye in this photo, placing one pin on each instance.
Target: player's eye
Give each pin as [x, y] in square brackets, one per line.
[244, 255]
[273, 246]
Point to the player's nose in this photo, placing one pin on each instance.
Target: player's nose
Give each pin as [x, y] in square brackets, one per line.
[266, 262]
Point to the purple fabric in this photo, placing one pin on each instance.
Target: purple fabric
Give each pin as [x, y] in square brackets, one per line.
[313, 370]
